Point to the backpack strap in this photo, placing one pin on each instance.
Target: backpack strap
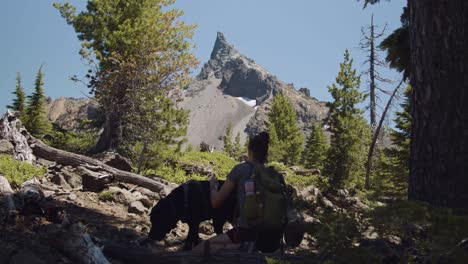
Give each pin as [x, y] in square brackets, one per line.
[241, 180]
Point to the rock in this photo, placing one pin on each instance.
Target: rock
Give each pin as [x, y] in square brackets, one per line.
[59, 180]
[117, 161]
[311, 194]
[6, 147]
[150, 194]
[26, 256]
[343, 193]
[122, 196]
[136, 207]
[356, 203]
[206, 228]
[73, 179]
[72, 197]
[143, 199]
[93, 181]
[327, 203]
[305, 91]
[44, 162]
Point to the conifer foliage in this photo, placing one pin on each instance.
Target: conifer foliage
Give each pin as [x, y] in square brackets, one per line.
[227, 140]
[286, 138]
[350, 132]
[401, 137]
[315, 151]
[37, 122]
[19, 102]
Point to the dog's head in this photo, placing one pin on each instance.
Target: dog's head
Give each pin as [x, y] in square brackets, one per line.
[163, 219]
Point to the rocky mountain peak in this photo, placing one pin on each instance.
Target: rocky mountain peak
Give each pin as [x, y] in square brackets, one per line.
[222, 48]
[232, 88]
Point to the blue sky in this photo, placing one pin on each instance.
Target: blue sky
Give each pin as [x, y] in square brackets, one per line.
[300, 41]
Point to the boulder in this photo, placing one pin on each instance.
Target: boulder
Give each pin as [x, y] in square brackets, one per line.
[136, 207]
[311, 194]
[73, 179]
[122, 196]
[58, 179]
[118, 162]
[93, 181]
[6, 147]
[150, 194]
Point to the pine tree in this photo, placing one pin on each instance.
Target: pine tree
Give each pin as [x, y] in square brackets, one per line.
[350, 132]
[227, 140]
[133, 36]
[315, 151]
[19, 103]
[283, 125]
[37, 121]
[237, 146]
[275, 150]
[399, 154]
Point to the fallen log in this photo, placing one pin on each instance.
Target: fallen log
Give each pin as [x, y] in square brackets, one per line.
[67, 158]
[147, 256]
[6, 197]
[12, 130]
[74, 242]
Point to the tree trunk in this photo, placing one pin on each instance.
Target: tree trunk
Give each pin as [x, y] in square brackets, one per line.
[373, 118]
[67, 158]
[439, 77]
[111, 137]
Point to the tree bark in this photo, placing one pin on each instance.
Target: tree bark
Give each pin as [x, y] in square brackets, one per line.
[112, 135]
[439, 77]
[67, 158]
[12, 130]
[144, 255]
[8, 204]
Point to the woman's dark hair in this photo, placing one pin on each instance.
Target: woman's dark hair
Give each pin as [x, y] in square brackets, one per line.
[259, 146]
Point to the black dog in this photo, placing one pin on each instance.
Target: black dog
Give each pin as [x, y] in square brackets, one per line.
[190, 203]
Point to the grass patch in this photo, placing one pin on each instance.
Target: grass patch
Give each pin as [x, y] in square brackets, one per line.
[17, 171]
[107, 195]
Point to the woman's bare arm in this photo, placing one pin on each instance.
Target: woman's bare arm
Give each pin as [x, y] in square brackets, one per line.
[218, 197]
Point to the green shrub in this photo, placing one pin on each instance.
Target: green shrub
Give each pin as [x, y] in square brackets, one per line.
[219, 162]
[80, 141]
[17, 171]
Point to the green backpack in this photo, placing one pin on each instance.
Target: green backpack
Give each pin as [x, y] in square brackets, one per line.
[265, 209]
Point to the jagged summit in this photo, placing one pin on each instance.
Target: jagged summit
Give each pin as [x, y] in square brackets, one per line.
[221, 47]
[232, 88]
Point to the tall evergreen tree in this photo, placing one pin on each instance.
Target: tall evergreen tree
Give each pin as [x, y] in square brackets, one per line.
[350, 132]
[227, 141]
[283, 122]
[136, 37]
[315, 151]
[37, 122]
[237, 146]
[19, 102]
[401, 137]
